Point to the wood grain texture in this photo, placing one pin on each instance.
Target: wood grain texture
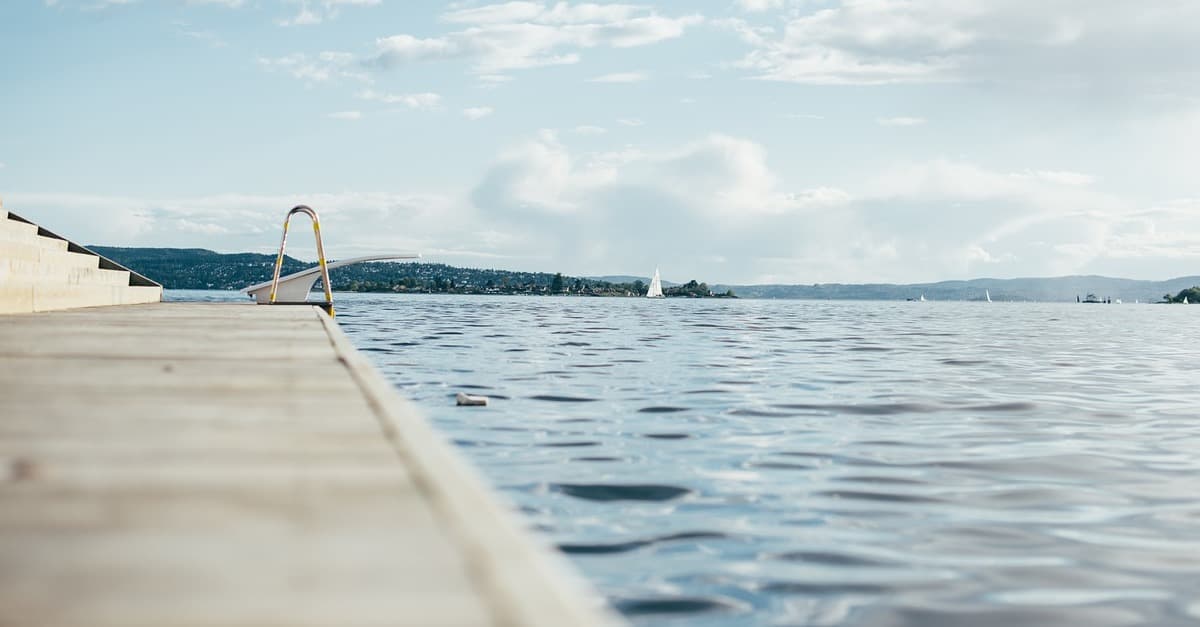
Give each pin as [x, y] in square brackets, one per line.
[209, 464]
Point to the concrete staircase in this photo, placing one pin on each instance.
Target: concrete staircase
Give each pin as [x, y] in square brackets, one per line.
[40, 271]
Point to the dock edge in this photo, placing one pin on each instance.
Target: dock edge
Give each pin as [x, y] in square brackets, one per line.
[525, 582]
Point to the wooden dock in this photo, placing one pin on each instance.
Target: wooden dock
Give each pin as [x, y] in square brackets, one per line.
[220, 464]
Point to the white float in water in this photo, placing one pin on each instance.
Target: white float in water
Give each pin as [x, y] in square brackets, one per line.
[470, 400]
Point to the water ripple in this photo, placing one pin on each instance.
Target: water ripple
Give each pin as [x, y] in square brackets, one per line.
[620, 492]
[728, 463]
[631, 545]
[671, 605]
[562, 399]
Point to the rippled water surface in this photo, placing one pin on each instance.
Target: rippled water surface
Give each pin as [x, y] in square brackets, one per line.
[810, 463]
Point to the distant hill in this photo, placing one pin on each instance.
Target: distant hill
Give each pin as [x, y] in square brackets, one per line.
[1056, 289]
[196, 268]
[199, 269]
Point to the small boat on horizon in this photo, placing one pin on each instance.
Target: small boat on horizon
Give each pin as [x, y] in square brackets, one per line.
[655, 289]
[987, 295]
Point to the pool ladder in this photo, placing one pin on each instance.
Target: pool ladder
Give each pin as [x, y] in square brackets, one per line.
[316, 222]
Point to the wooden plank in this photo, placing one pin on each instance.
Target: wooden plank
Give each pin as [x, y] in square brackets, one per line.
[201, 464]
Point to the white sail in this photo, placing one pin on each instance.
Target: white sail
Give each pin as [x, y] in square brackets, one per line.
[987, 295]
[922, 298]
[655, 290]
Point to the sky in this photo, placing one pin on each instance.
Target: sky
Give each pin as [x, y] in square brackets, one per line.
[732, 141]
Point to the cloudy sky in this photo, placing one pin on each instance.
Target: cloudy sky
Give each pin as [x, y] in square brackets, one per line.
[794, 141]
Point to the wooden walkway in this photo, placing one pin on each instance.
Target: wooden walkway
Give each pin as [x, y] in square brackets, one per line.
[217, 464]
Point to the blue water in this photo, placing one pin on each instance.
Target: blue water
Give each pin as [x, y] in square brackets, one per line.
[722, 463]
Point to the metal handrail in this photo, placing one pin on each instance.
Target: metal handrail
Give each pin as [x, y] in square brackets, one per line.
[320, 255]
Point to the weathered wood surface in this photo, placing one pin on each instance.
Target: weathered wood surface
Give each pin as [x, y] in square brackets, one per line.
[202, 464]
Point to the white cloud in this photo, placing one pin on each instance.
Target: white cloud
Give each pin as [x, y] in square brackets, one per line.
[1164, 231]
[311, 12]
[559, 13]
[322, 67]
[477, 113]
[539, 176]
[425, 100]
[1025, 223]
[496, 13]
[184, 225]
[699, 205]
[590, 13]
[399, 49]
[588, 129]
[2, 165]
[900, 121]
[630, 122]
[926, 41]
[713, 206]
[522, 35]
[868, 42]
[621, 77]
[717, 197]
[963, 181]
[305, 17]
[759, 5]
[206, 36]
[345, 115]
[804, 116]
[100, 5]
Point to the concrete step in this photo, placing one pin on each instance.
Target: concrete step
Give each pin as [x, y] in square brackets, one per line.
[15, 298]
[23, 233]
[34, 252]
[27, 297]
[19, 271]
[88, 276]
[141, 294]
[17, 229]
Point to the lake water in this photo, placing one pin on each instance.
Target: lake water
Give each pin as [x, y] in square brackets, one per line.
[719, 463]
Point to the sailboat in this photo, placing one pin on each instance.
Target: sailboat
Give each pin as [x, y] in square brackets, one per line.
[655, 290]
[922, 298]
[987, 295]
[1185, 300]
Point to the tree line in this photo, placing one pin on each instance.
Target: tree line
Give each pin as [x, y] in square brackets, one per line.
[200, 269]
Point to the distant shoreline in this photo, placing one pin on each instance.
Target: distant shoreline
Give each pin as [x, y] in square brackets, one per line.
[178, 268]
[200, 269]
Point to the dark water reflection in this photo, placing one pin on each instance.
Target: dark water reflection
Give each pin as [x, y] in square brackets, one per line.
[812, 463]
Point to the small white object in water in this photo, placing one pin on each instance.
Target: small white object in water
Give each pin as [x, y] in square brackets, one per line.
[467, 399]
